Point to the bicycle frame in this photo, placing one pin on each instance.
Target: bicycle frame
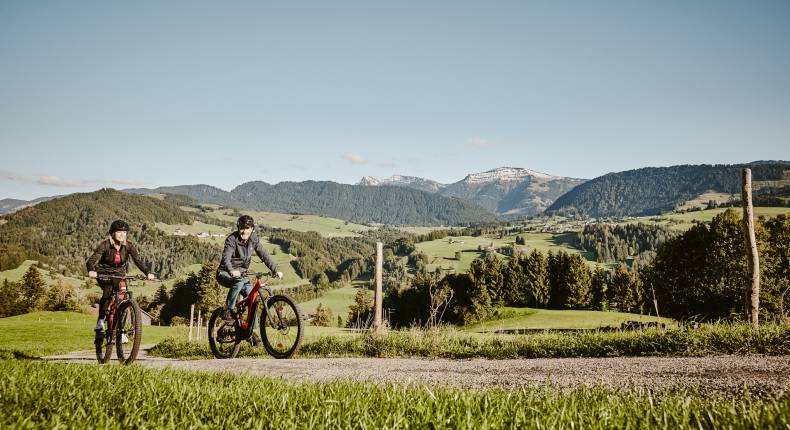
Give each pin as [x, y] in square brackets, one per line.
[121, 294]
[253, 300]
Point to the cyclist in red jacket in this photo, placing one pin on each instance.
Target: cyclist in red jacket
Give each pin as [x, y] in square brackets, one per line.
[111, 257]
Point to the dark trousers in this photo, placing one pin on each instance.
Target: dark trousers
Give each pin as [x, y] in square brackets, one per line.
[107, 288]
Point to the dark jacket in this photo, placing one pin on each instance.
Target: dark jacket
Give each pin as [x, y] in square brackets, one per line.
[237, 255]
[102, 259]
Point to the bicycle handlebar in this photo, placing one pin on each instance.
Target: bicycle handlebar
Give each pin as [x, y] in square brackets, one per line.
[258, 275]
[125, 277]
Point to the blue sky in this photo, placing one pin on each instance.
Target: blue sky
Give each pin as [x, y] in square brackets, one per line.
[122, 94]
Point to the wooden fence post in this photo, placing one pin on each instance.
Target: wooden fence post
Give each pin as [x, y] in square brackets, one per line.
[191, 318]
[377, 298]
[751, 248]
[199, 325]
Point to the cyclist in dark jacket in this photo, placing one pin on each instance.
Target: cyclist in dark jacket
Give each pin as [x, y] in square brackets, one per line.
[236, 259]
[111, 257]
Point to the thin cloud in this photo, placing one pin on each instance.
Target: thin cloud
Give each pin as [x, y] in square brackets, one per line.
[10, 176]
[56, 181]
[354, 158]
[478, 143]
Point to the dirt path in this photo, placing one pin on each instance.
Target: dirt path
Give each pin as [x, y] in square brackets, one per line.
[726, 374]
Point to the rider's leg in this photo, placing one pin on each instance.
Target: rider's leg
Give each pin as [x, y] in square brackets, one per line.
[104, 305]
[234, 286]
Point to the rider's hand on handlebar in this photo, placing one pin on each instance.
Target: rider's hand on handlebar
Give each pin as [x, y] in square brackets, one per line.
[279, 275]
[92, 274]
[235, 273]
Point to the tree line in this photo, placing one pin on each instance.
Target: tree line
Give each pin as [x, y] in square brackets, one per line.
[619, 243]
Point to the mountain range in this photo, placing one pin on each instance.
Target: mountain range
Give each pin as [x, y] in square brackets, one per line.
[510, 192]
[502, 193]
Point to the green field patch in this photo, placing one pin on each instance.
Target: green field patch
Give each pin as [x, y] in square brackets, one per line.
[442, 252]
[338, 300]
[529, 318]
[45, 333]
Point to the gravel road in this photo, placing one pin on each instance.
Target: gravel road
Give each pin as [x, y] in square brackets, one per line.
[725, 374]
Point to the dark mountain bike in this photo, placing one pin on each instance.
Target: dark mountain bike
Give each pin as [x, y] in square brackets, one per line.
[281, 324]
[123, 325]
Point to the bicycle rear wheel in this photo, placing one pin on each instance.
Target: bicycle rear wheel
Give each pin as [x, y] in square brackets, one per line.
[128, 331]
[222, 337]
[281, 326]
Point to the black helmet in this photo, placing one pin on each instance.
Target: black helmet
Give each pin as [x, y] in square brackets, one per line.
[118, 225]
[245, 221]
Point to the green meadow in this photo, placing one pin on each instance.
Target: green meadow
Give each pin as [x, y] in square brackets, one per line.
[529, 318]
[39, 334]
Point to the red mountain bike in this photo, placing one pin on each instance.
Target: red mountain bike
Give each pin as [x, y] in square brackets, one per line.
[281, 324]
[123, 324]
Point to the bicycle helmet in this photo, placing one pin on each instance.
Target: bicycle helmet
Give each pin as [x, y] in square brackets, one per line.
[118, 225]
[245, 221]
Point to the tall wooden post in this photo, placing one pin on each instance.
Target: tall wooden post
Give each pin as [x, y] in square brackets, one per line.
[751, 247]
[199, 325]
[377, 298]
[191, 319]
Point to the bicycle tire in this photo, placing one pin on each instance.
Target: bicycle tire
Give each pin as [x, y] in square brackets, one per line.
[128, 320]
[280, 341]
[218, 336]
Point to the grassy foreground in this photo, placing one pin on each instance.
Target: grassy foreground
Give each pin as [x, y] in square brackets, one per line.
[708, 340]
[76, 396]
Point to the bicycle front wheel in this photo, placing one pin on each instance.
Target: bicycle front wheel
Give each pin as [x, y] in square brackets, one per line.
[222, 336]
[128, 331]
[103, 347]
[281, 326]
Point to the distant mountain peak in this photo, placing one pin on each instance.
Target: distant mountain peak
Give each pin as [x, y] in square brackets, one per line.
[505, 174]
[404, 181]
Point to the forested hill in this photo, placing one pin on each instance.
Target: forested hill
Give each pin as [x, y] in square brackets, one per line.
[365, 204]
[64, 231]
[651, 190]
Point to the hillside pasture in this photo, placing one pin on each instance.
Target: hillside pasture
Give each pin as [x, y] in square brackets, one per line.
[684, 221]
[15, 275]
[702, 200]
[338, 300]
